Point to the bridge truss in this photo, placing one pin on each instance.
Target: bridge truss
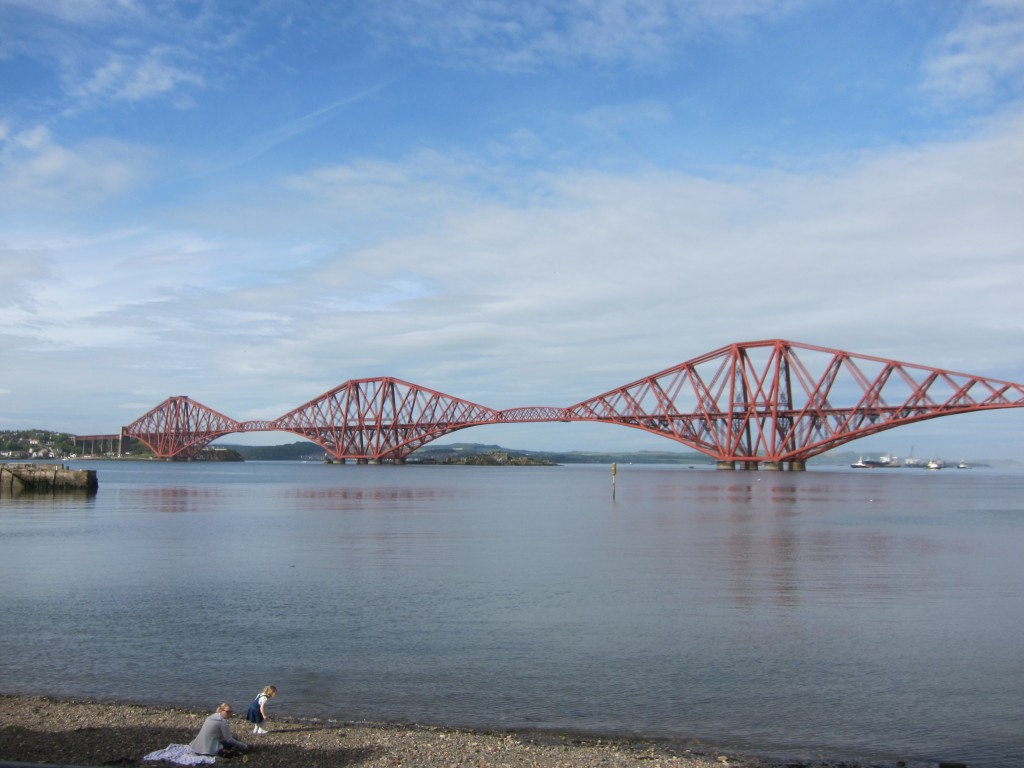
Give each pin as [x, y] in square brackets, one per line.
[779, 401]
[771, 402]
[381, 419]
[179, 428]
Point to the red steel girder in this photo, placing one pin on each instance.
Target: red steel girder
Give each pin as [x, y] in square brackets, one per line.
[381, 419]
[533, 413]
[779, 400]
[770, 401]
[179, 428]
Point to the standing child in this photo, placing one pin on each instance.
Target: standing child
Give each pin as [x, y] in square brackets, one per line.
[257, 709]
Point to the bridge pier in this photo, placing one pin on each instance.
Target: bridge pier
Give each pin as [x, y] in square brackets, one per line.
[766, 466]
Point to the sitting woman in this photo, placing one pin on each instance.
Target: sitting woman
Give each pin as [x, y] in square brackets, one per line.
[215, 736]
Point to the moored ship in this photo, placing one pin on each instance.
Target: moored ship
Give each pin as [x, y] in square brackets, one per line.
[885, 460]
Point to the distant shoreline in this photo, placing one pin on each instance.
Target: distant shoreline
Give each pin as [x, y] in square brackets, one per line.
[62, 445]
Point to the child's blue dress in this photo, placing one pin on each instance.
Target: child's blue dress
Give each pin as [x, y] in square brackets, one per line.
[253, 714]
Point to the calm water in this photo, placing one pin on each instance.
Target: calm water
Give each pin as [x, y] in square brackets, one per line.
[869, 614]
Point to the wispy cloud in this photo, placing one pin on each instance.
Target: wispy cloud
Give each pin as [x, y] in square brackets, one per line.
[839, 258]
[982, 57]
[266, 140]
[36, 172]
[135, 78]
[79, 11]
[122, 51]
[528, 36]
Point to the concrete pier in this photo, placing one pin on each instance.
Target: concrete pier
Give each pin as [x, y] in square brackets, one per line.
[767, 466]
[45, 478]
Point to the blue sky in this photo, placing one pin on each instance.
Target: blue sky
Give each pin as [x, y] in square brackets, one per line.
[517, 203]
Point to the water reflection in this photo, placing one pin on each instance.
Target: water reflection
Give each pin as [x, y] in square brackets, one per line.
[173, 499]
[789, 544]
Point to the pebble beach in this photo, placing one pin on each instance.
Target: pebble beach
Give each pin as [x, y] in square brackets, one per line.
[91, 733]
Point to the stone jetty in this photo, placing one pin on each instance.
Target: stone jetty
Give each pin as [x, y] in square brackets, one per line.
[45, 478]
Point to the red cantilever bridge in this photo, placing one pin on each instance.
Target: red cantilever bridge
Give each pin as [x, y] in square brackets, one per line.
[771, 403]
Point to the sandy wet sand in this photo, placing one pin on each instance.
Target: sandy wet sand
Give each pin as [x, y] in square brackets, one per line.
[89, 733]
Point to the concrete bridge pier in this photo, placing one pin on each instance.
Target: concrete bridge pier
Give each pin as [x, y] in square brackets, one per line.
[767, 466]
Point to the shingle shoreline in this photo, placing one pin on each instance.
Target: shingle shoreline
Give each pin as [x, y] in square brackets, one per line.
[64, 732]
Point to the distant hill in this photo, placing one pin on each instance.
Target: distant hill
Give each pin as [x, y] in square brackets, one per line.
[307, 451]
[454, 450]
[438, 454]
[300, 451]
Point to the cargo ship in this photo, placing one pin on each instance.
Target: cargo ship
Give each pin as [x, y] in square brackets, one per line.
[885, 460]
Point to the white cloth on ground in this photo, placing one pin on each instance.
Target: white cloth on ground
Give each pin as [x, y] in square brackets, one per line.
[181, 754]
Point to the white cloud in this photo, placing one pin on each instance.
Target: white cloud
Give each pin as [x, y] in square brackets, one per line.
[879, 254]
[18, 266]
[78, 11]
[135, 78]
[981, 56]
[109, 52]
[594, 281]
[36, 172]
[590, 281]
[527, 36]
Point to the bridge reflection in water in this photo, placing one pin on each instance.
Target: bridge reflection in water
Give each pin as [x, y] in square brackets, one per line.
[769, 404]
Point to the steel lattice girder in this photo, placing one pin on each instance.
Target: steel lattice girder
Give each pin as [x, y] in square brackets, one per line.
[533, 413]
[769, 400]
[179, 428]
[774, 400]
[381, 418]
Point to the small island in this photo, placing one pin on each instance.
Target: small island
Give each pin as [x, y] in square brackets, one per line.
[487, 458]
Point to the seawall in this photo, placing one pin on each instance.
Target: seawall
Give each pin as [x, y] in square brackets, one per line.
[45, 478]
